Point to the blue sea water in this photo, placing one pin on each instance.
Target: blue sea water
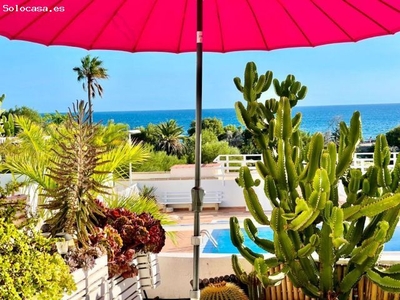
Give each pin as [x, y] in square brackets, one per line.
[222, 236]
[376, 118]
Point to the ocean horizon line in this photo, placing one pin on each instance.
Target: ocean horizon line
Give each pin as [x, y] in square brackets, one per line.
[226, 108]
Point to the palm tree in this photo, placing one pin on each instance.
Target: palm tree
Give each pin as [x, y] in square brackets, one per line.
[169, 136]
[90, 71]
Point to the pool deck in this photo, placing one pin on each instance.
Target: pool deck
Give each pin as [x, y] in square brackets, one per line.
[209, 218]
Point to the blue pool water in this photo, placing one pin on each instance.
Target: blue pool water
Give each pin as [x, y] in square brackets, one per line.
[222, 236]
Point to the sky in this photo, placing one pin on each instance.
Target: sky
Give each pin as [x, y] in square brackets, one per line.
[41, 77]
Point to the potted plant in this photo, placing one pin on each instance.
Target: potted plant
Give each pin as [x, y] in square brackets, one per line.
[313, 229]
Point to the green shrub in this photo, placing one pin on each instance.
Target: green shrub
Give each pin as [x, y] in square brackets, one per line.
[29, 269]
[159, 161]
[211, 150]
[393, 137]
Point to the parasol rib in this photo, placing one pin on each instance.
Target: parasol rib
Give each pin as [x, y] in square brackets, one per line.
[220, 27]
[107, 22]
[333, 21]
[141, 30]
[181, 27]
[295, 23]
[367, 16]
[258, 25]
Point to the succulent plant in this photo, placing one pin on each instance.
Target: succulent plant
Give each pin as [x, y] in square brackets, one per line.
[313, 228]
[75, 165]
[222, 291]
[124, 233]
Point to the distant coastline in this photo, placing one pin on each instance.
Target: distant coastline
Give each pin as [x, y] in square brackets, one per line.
[376, 118]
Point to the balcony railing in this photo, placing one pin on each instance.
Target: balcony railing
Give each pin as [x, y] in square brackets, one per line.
[231, 163]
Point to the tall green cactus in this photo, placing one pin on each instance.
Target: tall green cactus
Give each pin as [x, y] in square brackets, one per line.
[313, 228]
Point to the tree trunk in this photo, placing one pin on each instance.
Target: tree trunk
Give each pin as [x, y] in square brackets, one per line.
[90, 100]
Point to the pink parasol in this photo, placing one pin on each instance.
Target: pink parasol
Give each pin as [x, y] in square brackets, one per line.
[177, 26]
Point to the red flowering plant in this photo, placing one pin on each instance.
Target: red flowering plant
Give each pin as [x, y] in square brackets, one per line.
[124, 233]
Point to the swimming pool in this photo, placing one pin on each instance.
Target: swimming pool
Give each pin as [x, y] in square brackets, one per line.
[222, 236]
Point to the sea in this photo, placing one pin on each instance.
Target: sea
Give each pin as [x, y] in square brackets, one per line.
[375, 118]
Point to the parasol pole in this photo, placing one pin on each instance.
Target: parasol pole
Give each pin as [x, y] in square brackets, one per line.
[197, 191]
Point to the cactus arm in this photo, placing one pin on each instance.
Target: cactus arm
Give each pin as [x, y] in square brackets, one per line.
[310, 269]
[383, 203]
[353, 237]
[298, 274]
[303, 254]
[351, 213]
[237, 239]
[270, 190]
[353, 136]
[386, 283]
[335, 222]
[372, 206]
[350, 280]
[301, 220]
[306, 261]
[392, 270]
[372, 246]
[262, 169]
[296, 122]
[270, 163]
[331, 151]
[250, 76]
[391, 216]
[308, 249]
[326, 258]
[242, 114]
[354, 186]
[255, 207]
[261, 269]
[237, 268]
[252, 233]
[246, 181]
[381, 161]
[314, 154]
[283, 128]
[282, 243]
[307, 212]
[283, 178]
[396, 175]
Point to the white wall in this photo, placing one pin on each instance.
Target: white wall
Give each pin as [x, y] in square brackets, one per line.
[233, 194]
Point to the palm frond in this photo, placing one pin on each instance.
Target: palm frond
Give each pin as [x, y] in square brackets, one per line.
[119, 157]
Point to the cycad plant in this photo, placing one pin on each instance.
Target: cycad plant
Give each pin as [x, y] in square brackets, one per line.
[72, 170]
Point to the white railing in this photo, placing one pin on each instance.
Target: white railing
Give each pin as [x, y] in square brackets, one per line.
[363, 161]
[231, 163]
